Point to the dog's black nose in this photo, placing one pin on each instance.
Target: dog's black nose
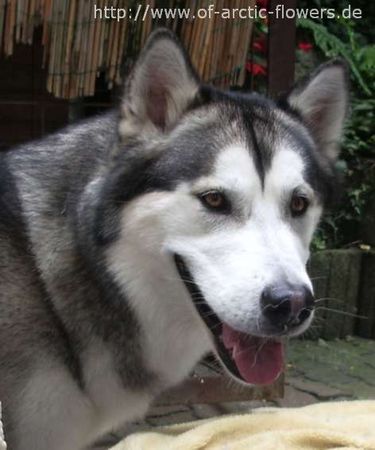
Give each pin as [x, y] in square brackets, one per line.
[285, 305]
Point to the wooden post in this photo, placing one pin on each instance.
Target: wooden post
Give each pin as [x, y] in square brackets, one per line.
[281, 48]
[366, 307]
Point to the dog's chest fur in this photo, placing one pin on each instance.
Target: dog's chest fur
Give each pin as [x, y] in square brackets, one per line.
[75, 418]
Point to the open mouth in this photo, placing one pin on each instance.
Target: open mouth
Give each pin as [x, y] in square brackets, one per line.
[249, 359]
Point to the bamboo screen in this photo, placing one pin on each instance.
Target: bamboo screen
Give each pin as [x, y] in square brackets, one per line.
[78, 46]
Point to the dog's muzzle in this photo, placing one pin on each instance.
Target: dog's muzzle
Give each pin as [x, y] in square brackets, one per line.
[249, 359]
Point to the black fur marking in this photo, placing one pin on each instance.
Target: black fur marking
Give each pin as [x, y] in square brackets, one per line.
[190, 157]
[71, 354]
[255, 113]
[321, 175]
[259, 163]
[125, 182]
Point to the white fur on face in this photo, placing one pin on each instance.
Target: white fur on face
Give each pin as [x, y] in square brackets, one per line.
[233, 258]
[263, 246]
[173, 338]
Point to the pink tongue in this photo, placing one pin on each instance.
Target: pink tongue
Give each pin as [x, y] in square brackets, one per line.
[259, 361]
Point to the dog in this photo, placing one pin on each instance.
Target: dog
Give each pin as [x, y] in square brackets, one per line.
[134, 243]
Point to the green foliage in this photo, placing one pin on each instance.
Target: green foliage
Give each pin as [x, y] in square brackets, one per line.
[332, 46]
[351, 40]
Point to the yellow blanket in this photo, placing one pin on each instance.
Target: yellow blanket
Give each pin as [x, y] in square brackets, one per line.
[335, 425]
[2, 442]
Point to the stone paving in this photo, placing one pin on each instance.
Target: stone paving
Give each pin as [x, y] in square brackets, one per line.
[316, 371]
[329, 370]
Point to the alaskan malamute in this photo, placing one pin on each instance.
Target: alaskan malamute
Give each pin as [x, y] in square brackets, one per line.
[134, 243]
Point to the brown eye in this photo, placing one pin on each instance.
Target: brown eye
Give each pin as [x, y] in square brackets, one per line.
[298, 205]
[215, 201]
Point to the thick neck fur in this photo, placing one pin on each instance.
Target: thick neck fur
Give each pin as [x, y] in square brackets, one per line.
[141, 320]
[90, 307]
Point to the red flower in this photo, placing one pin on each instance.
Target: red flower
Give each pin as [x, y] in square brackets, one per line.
[305, 46]
[260, 44]
[255, 69]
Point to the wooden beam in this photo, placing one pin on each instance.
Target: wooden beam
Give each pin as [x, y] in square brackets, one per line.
[219, 389]
[208, 384]
[281, 48]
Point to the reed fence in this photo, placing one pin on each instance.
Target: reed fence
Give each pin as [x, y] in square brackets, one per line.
[78, 47]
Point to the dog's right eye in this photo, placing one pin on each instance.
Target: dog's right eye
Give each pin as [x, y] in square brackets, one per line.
[215, 201]
[298, 205]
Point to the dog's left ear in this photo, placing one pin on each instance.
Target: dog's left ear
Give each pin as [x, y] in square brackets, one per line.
[160, 88]
[322, 101]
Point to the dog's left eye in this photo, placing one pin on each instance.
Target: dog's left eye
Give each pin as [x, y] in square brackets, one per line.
[298, 205]
[215, 201]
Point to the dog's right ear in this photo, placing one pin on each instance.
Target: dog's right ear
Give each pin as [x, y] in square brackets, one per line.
[160, 88]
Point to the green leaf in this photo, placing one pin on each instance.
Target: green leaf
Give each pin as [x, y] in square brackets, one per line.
[333, 46]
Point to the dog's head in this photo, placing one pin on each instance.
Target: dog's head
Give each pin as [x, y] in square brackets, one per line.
[218, 194]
